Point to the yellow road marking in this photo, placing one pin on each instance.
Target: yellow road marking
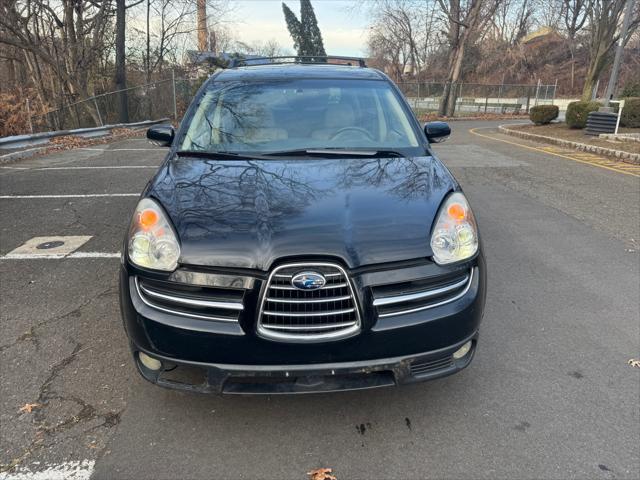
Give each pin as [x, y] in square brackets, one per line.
[586, 158]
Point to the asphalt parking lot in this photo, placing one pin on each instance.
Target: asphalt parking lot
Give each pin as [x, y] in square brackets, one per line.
[549, 395]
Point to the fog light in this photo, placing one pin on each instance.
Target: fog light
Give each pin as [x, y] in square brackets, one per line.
[462, 351]
[150, 363]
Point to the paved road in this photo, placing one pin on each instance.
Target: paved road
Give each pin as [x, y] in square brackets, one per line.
[549, 395]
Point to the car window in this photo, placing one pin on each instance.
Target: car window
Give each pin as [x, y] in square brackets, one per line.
[299, 114]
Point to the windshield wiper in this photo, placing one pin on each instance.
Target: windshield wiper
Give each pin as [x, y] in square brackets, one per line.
[336, 152]
[219, 155]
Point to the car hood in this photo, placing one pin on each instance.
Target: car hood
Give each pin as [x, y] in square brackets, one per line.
[252, 213]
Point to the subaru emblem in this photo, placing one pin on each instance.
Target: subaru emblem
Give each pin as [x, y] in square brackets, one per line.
[308, 281]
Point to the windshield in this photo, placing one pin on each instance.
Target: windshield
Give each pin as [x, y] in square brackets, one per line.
[299, 115]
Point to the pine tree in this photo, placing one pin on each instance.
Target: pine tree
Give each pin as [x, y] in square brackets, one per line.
[310, 29]
[294, 26]
[307, 39]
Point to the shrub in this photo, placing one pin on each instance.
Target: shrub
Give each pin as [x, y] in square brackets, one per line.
[631, 90]
[543, 114]
[577, 113]
[631, 113]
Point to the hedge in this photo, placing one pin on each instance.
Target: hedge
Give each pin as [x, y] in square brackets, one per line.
[631, 113]
[543, 114]
[577, 113]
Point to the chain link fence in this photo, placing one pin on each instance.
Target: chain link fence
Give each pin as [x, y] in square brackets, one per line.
[474, 98]
[162, 99]
[170, 98]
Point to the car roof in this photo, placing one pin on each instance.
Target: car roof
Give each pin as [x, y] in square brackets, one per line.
[289, 71]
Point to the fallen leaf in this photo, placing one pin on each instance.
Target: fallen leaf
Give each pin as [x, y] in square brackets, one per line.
[634, 362]
[28, 407]
[321, 474]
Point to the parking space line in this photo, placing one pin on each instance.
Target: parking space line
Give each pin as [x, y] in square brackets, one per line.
[119, 149]
[59, 256]
[108, 167]
[600, 162]
[89, 195]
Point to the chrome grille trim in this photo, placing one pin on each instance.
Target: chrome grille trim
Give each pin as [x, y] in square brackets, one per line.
[192, 301]
[326, 287]
[316, 327]
[313, 314]
[314, 300]
[437, 304]
[150, 304]
[419, 295]
[334, 327]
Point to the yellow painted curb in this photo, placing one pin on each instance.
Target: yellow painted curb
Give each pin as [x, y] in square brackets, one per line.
[581, 157]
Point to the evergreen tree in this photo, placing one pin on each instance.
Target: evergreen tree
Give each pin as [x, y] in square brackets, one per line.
[310, 28]
[307, 39]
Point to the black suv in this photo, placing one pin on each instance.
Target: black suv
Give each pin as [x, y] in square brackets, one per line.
[301, 236]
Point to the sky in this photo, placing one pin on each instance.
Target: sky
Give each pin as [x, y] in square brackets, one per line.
[343, 30]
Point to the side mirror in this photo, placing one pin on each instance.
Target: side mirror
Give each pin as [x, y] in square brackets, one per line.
[161, 135]
[437, 132]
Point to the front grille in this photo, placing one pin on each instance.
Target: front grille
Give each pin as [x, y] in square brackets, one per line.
[290, 314]
[417, 295]
[205, 303]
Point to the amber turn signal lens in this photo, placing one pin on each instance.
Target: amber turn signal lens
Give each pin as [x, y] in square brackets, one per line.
[456, 211]
[148, 218]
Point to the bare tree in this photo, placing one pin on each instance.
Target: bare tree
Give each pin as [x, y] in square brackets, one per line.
[574, 15]
[66, 37]
[465, 18]
[604, 18]
[403, 35]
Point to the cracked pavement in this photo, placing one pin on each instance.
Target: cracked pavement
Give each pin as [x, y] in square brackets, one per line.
[549, 394]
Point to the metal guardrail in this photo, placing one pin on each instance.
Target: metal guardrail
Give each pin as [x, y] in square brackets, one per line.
[16, 142]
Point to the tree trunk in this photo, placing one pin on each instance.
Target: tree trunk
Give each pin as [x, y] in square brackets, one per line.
[202, 25]
[121, 74]
[593, 75]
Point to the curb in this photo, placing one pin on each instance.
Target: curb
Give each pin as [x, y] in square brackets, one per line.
[462, 119]
[627, 157]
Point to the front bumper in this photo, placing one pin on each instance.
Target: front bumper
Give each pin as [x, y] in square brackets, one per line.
[229, 357]
[290, 379]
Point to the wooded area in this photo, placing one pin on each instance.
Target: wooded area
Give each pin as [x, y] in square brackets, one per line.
[56, 52]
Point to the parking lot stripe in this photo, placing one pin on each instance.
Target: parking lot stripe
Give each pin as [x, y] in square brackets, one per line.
[89, 195]
[119, 149]
[64, 471]
[115, 167]
[600, 162]
[59, 256]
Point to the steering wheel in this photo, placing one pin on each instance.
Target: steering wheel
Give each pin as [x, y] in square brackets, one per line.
[344, 130]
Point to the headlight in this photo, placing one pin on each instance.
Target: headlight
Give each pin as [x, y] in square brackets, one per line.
[152, 240]
[455, 234]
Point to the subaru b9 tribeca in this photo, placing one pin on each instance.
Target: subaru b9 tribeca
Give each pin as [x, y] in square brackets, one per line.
[301, 236]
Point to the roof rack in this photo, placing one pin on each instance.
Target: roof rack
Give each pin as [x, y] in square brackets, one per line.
[298, 60]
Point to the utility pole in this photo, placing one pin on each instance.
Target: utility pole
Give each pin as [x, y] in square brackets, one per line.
[615, 70]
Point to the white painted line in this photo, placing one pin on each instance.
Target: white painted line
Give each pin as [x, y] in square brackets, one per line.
[59, 256]
[115, 167]
[90, 195]
[120, 149]
[94, 255]
[63, 471]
